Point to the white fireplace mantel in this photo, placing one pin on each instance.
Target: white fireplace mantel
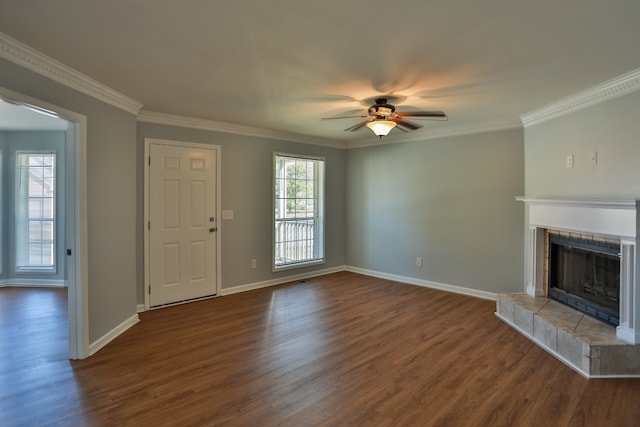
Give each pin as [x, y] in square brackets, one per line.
[612, 218]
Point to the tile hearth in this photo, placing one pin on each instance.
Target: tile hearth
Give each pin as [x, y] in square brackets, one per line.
[583, 343]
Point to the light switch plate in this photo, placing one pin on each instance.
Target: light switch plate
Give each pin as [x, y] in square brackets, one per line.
[570, 161]
[227, 214]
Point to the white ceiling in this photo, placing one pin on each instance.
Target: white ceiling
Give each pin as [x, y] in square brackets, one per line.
[284, 64]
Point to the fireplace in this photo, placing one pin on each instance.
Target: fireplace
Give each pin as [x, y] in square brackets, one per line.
[613, 220]
[586, 249]
[584, 273]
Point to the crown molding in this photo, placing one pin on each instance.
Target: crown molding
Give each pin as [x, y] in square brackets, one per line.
[625, 84]
[441, 133]
[146, 116]
[27, 57]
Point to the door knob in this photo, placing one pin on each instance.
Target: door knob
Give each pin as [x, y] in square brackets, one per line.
[213, 229]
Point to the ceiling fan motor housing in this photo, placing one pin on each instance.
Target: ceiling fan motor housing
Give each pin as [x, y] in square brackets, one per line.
[381, 109]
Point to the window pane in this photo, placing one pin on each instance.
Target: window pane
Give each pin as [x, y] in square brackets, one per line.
[301, 169]
[47, 171]
[35, 230]
[35, 254]
[278, 188]
[47, 208]
[47, 187]
[35, 208]
[301, 188]
[301, 210]
[36, 160]
[35, 186]
[47, 231]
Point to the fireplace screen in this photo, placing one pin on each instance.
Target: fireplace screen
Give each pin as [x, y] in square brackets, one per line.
[585, 274]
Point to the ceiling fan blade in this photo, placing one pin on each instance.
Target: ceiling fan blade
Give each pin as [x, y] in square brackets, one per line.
[356, 127]
[432, 114]
[342, 117]
[327, 97]
[405, 123]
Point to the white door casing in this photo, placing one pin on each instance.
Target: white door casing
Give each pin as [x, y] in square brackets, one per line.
[182, 217]
[76, 260]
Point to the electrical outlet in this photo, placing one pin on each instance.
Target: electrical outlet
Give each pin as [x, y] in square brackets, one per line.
[419, 262]
[254, 263]
[594, 158]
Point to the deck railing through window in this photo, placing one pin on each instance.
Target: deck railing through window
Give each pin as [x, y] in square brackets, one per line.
[294, 241]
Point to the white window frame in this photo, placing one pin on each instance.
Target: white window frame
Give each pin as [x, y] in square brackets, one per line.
[299, 220]
[22, 209]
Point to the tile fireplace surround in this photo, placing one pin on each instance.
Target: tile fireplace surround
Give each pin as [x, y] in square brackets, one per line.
[589, 346]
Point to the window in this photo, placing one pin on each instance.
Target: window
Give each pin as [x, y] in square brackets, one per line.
[298, 237]
[35, 212]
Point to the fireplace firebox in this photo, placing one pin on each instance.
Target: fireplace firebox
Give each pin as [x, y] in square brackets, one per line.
[585, 274]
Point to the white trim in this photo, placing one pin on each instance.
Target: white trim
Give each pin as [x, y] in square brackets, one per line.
[33, 283]
[619, 86]
[199, 146]
[27, 57]
[98, 344]
[426, 283]
[400, 279]
[214, 126]
[77, 265]
[279, 281]
[140, 308]
[605, 217]
[586, 203]
[441, 132]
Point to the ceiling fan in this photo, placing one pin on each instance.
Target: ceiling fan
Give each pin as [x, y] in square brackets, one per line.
[382, 117]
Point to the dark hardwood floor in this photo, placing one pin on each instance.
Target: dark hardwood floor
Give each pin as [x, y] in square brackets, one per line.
[338, 350]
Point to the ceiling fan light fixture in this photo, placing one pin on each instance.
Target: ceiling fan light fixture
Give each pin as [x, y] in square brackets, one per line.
[381, 127]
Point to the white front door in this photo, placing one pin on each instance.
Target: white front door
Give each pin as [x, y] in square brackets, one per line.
[182, 223]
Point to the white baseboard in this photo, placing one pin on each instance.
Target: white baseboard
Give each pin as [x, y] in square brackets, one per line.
[140, 308]
[396, 278]
[425, 283]
[95, 346]
[279, 281]
[33, 283]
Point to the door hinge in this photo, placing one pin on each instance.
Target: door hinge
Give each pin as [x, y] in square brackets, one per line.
[148, 225]
[149, 289]
[149, 160]
[69, 252]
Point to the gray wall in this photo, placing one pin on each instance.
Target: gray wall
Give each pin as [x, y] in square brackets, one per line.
[111, 195]
[449, 201]
[38, 141]
[611, 129]
[247, 189]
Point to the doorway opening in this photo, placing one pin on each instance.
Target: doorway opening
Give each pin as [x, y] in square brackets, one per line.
[20, 112]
